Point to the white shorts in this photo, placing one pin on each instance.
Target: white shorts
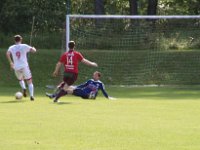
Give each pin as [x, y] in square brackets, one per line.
[23, 73]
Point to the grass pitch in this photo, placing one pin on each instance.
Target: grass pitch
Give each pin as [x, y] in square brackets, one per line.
[140, 119]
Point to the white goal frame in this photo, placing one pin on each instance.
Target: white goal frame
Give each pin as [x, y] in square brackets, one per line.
[123, 17]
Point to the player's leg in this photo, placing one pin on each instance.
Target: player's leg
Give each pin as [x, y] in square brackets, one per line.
[28, 78]
[61, 93]
[19, 75]
[69, 90]
[69, 79]
[23, 85]
[58, 89]
[80, 93]
[30, 88]
[61, 85]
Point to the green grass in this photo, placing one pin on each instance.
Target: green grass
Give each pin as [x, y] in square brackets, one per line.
[156, 118]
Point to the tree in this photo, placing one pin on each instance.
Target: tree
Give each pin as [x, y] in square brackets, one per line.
[133, 7]
[99, 7]
[50, 15]
[99, 10]
[179, 7]
[152, 7]
[15, 16]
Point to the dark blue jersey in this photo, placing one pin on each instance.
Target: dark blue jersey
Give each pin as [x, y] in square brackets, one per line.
[90, 89]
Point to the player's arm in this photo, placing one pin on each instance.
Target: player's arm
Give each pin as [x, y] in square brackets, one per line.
[102, 87]
[8, 55]
[33, 49]
[83, 85]
[89, 63]
[58, 65]
[57, 69]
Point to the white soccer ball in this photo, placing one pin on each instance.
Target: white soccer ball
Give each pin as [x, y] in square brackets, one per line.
[18, 95]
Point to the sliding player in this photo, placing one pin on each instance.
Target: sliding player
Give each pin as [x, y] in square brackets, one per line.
[17, 57]
[70, 60]
[88, 90]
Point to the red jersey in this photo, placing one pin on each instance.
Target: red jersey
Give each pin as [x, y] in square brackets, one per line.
[70, 59]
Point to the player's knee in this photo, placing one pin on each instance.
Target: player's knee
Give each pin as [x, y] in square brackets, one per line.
[29, 81]
[66, 86]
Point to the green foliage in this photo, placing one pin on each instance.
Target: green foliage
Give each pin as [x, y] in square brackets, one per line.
[179, 7]
[16, 16]
[82, 7]
[117, 7]
[41, 40]
[50, 15]
[6, 40]
[50, 40]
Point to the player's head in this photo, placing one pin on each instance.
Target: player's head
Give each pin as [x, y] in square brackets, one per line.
[71, 44]
[96, 75]
[17, 38]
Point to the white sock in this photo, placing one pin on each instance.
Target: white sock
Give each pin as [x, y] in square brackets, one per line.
[31, 89]
[22, 84]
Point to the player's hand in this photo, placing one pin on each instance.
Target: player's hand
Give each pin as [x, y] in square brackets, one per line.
[11, 66]
[55, 74]
[111, 98]
[95, 64]
[33, 49]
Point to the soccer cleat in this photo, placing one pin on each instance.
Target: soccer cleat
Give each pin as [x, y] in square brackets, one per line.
[50, 95]
[32, 98]
[56, 101]
[24, 93]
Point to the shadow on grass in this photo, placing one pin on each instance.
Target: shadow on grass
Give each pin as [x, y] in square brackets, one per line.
[12, 101]
[173, 93]
[62, 103]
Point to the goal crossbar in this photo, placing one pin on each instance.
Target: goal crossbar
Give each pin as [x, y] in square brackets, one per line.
[137, 16]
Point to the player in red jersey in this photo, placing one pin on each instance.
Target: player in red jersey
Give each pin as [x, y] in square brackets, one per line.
[70, 60]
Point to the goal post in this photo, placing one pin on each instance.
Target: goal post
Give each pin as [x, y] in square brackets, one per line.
[138, 50]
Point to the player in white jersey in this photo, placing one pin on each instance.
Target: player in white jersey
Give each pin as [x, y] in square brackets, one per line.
[17, 57]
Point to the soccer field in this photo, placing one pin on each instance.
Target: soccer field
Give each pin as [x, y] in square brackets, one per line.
[153, 118]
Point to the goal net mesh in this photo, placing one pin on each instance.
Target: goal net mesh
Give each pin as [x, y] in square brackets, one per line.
[139, 51]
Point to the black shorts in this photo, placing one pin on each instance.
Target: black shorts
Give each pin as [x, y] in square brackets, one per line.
[70, 77]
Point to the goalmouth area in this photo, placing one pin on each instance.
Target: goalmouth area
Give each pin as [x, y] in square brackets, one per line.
[139, 50]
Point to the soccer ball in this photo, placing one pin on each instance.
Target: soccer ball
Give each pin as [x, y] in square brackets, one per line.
[18, 95]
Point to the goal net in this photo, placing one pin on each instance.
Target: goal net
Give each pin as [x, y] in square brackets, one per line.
[138, 50]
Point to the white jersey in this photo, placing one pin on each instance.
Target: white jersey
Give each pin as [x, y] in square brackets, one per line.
[19, 55]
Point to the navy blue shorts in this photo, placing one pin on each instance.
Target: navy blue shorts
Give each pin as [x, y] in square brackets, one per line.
[80, 93]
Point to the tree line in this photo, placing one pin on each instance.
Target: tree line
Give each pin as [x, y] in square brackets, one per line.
[49, 15]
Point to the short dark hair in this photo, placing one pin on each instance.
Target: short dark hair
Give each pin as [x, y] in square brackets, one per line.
[71, 44]
[99, 73]
[17, 38]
